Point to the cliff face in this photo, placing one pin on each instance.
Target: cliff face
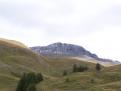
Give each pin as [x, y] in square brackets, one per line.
[63, 49]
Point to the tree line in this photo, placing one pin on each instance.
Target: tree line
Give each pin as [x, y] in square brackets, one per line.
[81, 68]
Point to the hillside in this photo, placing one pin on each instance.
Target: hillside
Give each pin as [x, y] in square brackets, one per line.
[12, 43]
[108, 79]
[15, 60]
[72, 51]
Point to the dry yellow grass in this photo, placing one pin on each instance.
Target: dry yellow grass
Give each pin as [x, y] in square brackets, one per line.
[12, 43]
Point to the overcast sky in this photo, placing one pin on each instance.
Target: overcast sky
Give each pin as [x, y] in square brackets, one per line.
[93, 24]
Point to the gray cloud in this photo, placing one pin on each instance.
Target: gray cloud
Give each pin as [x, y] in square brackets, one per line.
[75, 17]
[66, 18]
[92, 23]
[83, 22]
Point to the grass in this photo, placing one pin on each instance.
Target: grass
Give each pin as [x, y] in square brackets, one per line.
[15, 60]
[82, 82]
[108, 79]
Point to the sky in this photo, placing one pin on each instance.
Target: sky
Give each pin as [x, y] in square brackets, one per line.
[93, 24]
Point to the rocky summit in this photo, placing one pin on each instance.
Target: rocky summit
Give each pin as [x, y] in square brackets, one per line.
[71, 50]
[63, 49]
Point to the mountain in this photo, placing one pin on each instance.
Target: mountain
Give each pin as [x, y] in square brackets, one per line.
[16, 59]
[63, 49]
[73, 51]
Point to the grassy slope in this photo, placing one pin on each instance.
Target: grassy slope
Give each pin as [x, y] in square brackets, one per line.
[109, 79]
[12, 42]
[14, 60]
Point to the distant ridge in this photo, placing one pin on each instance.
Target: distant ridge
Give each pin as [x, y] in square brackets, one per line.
[73, 51]
[63, 49]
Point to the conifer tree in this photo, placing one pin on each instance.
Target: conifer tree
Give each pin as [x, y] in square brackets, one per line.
[65, 73]
[29, 81]
[31, 87]
[98, 67]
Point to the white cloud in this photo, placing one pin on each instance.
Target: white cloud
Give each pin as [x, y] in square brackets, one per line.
[94, 24]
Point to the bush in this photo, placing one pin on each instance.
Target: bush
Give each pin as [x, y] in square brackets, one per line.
[98, 67]
[65, 73]
[28, 82]
[31, 87]
[82, 68]
[39, 77]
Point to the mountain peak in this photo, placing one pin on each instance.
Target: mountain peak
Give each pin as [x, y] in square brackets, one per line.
[72, 51]
[56, 44]
[64, 49]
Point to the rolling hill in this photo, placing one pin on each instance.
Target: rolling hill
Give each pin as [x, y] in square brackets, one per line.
[15, 60]
[12, 43]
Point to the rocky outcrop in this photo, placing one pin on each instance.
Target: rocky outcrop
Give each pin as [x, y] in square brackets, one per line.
[63, 49]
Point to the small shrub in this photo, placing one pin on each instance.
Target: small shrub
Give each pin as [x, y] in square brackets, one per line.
[82, 68]
[65, 73]
[98, 67]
